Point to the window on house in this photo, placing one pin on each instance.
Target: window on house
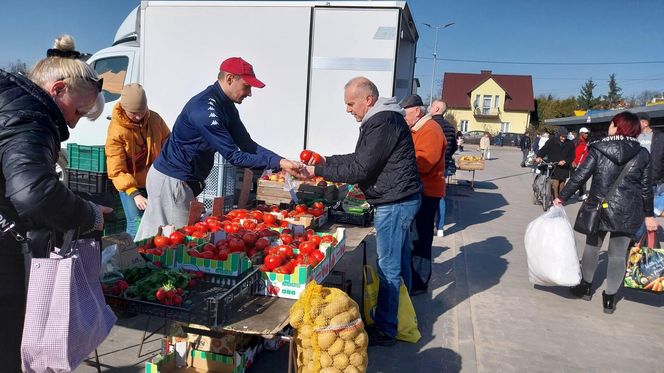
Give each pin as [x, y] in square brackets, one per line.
[496, 102]
[505, 127]
[476, 104]
[486, 104]
[464, 126]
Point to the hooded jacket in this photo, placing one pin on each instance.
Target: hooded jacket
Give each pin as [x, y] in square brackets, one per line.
[383, 164]
[132, 148]
[31, 194]
[632, 200]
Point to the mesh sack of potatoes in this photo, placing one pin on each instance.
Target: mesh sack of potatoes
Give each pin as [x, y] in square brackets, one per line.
[329, 332]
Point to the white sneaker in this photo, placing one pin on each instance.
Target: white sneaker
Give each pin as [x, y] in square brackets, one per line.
[584, 197]
[440, 233]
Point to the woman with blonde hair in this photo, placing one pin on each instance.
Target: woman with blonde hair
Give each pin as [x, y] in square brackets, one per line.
[135, 137]
[36, 114]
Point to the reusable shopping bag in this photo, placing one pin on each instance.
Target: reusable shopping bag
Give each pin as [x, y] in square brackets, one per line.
[551, 250]
[66, 316]
[645, 266]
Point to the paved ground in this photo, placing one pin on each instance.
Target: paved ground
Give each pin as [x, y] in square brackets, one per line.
[482, 314]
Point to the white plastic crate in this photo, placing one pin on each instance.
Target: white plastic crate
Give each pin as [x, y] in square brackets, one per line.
[221, 180]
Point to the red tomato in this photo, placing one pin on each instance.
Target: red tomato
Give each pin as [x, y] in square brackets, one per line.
[206, 255]
[231, 227]
[284, 213]
[286, 250]
[250, 238]
[301, 208]
[318, 205]
[261, 243]
[274, 208]
[210, 247]
[318, 256]
[272, 262]
[211, 220]
[283, 224]
[241, 213]
[249, 224]
[161, 241]
[315, 239]
[232, 214]
[305, 155]
[199, 234]
[307, 247]
[317, 159]
[286, 238]
[235, 245]
[223, 255]
[188, 230]
[200, 226]
[176, 238]
[285, 231]
[316, 212]
[256, 215]
[269, 218]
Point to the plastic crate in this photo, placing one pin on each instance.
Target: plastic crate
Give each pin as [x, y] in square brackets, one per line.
[221, 180]
[208, 200]
[115, 227]
[86, 158]
[343, 217]
[90, 182]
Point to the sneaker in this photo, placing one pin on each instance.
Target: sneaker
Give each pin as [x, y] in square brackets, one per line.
[440, 233]
[378, 338]
[584, 197]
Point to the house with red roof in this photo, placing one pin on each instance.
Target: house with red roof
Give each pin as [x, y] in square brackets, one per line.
[489, 102]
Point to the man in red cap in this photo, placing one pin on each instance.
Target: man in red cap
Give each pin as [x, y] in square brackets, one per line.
[208, 123]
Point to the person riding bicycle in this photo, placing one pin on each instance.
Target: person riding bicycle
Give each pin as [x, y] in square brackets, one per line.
[560, 152]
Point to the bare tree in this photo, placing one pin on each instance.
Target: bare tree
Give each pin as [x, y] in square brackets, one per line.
[17, 67]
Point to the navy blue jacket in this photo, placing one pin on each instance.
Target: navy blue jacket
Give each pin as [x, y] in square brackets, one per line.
[210, 123]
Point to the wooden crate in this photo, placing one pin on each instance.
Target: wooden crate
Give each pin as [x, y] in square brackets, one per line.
[272, 192]
[470, 165]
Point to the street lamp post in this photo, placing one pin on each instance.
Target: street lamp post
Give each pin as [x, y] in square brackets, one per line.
[435, 53]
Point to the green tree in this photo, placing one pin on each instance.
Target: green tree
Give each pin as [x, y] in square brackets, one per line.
[614, 96]
[586, 100]
[550, 107]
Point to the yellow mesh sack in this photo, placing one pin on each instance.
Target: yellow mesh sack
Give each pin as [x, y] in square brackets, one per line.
[329, 333]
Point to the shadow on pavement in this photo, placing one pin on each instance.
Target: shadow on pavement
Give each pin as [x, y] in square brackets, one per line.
[484, 208]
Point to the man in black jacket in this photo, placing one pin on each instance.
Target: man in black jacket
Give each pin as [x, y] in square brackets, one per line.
[525, 145]
[384, 167]
[437, 110]
[653, 141]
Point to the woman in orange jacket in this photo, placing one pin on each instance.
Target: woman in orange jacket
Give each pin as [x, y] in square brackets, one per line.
[135, 137]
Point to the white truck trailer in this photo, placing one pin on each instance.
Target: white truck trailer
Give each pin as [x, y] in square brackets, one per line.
[303, 51]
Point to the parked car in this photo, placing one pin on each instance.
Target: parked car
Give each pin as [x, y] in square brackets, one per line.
[473, 137]
[508, 139]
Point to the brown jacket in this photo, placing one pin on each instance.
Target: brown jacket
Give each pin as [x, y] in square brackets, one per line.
[430, 144]
[131, 148]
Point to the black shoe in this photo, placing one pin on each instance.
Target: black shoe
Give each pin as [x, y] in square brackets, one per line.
[417, 291]
[582, 290]
[608, 301]
[378, 338]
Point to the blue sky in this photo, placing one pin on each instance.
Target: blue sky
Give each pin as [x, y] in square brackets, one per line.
[563, 31]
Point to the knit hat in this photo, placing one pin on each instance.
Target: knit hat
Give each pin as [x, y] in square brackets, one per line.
[133, 98]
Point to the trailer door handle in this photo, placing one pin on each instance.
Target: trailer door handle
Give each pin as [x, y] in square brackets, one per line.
[108, 117]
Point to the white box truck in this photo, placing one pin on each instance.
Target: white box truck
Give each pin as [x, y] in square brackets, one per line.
[303, 51]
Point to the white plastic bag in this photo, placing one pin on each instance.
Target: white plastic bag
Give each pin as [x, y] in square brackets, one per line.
[551, 250]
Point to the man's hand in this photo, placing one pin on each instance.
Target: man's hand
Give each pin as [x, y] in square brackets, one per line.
[310, 171]
[321, 161]
[294, 168]
[538, 160]
[557, 202]
[651, 224]
[141, 202]
[561, 163]
[102, 210]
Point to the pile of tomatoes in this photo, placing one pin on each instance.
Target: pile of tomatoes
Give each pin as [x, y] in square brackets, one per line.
[294, 250]
[251, 242]
[160, 244]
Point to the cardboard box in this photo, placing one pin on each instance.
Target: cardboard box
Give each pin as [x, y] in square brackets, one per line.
[205, 362]
[129, 257]
[309, 221]
[235, 265]
[292, 285]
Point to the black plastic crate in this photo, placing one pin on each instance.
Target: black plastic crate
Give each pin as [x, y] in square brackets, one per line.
[212, 301]
[89, 182]
[342, 217]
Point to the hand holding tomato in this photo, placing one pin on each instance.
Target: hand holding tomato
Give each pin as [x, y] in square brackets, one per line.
[294, 168]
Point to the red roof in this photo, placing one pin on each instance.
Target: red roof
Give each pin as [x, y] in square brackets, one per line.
[519, 89]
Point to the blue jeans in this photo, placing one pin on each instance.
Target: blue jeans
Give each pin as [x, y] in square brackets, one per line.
[132, 213]
[393, 223]
[440, 216]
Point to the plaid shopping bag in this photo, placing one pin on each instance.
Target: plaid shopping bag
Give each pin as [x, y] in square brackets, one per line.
[645, 266]
[66, 316]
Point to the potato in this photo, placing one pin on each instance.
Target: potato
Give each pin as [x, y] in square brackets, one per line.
[325, 360]
[361, 340]
[330, 370]
[325, 340]
[352, 369]
[336, 306]
[305, 331]
[306, 342]
[354, 313]
[316, 307]
[349, 334]
[321, 322]
[305, 369]
[307, 355]
[356, 359]
[296, 317]
[342, 319]
[349, 348]
[340, 361]
[336, 347]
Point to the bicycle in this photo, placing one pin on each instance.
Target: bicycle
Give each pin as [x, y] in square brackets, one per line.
[542, 186]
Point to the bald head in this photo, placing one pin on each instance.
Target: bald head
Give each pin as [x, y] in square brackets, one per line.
[360, 94]
[438, 107]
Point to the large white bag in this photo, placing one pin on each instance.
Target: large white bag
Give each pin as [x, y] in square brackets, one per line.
[551, 250]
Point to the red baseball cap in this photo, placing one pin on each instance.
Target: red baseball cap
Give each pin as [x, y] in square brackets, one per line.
[238, 66]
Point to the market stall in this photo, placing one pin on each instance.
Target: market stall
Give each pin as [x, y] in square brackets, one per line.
[471, 164]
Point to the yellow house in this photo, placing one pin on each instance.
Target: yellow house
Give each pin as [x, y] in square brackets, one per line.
[489, 102]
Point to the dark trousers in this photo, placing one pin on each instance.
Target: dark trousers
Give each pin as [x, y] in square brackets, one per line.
[12, 308]
[421, 255]
[582, 187]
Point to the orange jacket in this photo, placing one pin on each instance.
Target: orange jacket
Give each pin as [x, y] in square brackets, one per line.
[131, 148]
[430, 145]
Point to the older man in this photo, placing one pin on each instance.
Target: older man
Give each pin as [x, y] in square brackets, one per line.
[430, 145]
[208, 123]
[383, 165]
[437, 111]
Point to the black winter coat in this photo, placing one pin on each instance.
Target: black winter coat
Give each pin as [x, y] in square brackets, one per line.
[556, 151]
[31, 129]
[632, 200]
[383, 164]
[450, 135]
[657, 156]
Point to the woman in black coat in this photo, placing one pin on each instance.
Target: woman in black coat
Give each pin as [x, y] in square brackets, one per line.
[623, 211]
[35, 114]
[561, 152]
